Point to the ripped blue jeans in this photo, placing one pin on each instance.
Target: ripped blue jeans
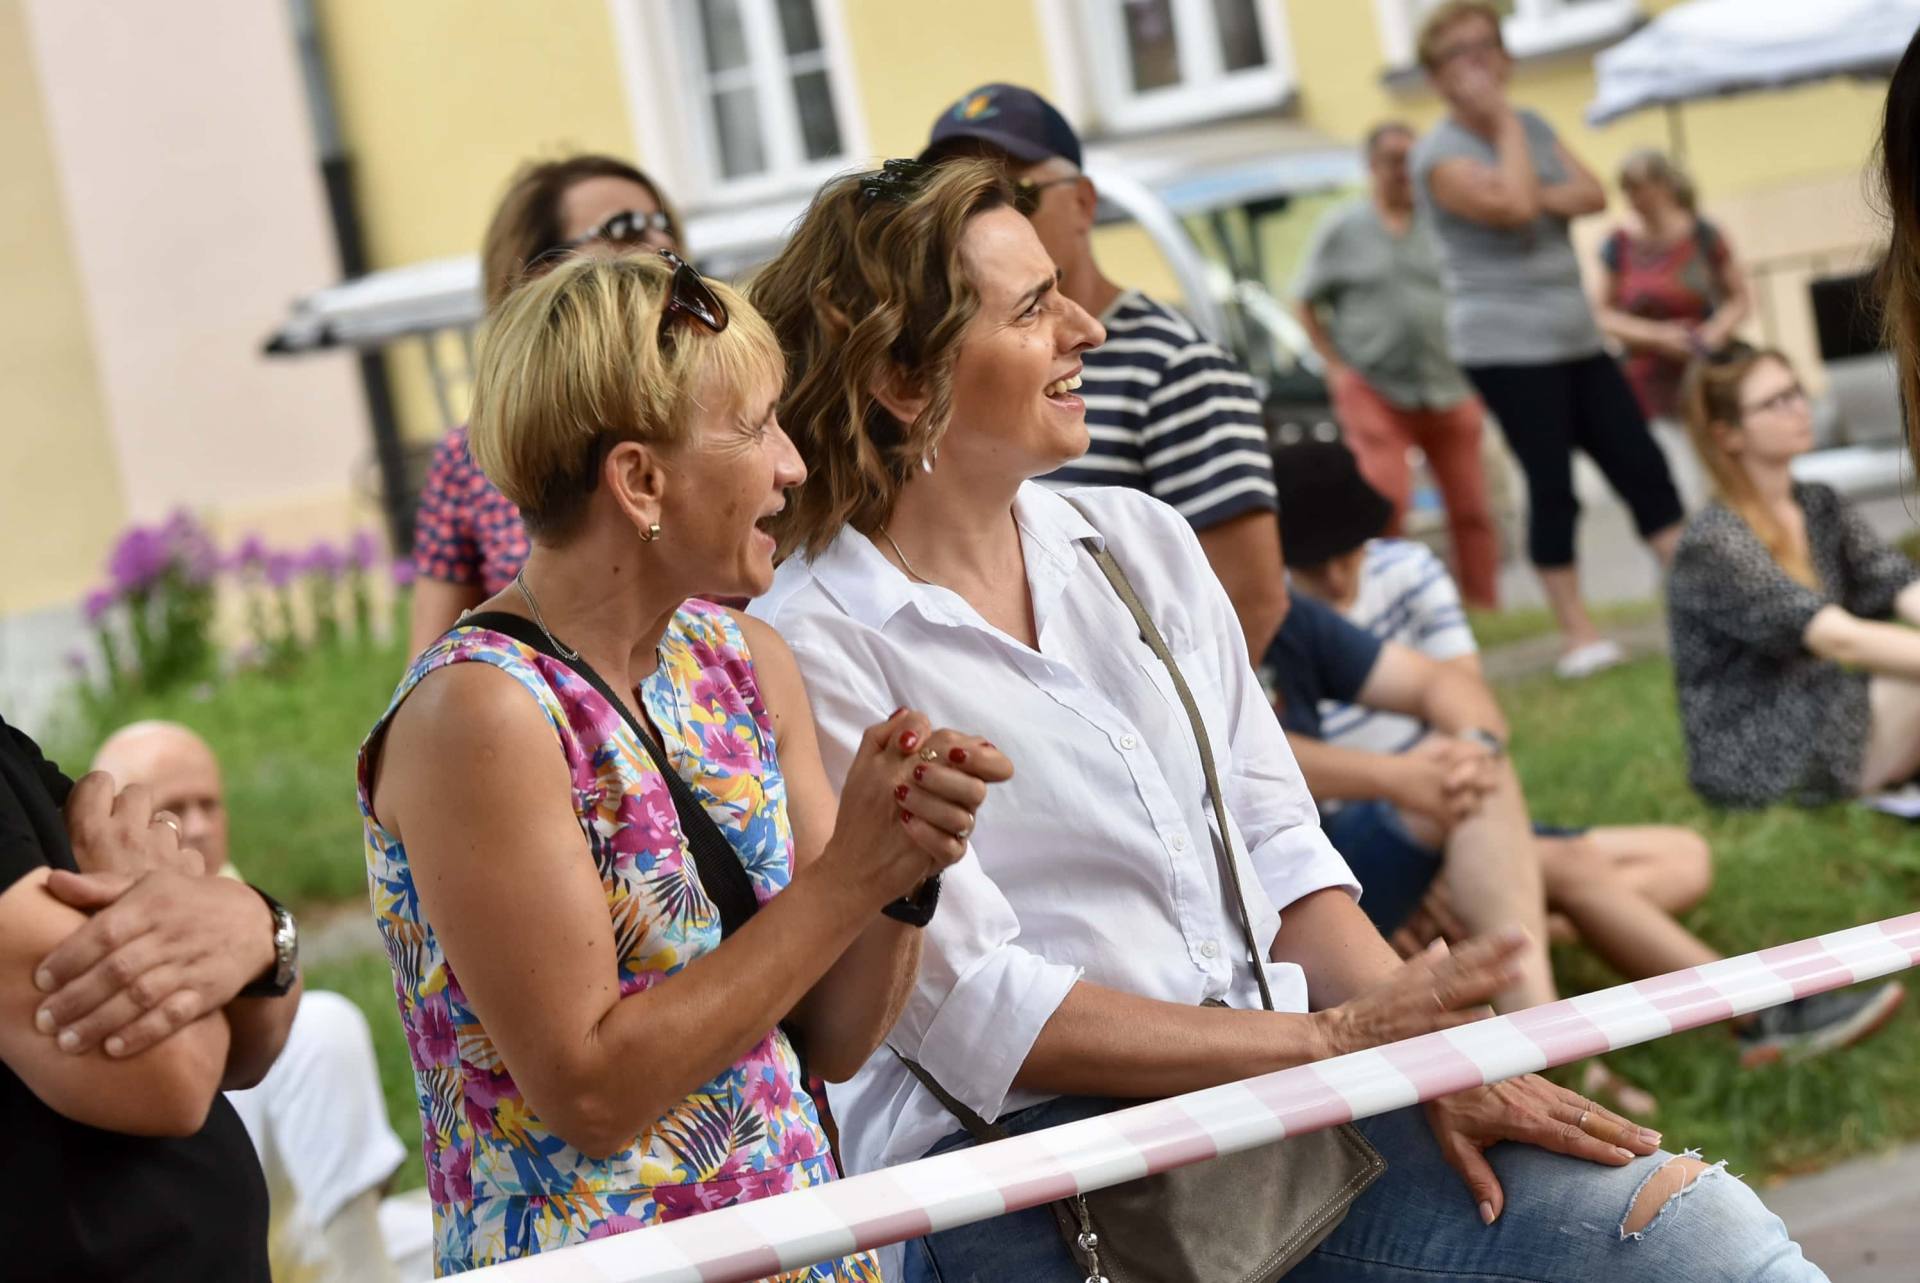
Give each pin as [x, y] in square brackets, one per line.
[1417, 1224]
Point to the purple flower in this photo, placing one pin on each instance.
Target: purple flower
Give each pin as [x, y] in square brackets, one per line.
[281, 568]
[403, 572]
[252, 552]
[190, 547]
[138, 560]
[98, 603]
[323, 559]
[363, 550]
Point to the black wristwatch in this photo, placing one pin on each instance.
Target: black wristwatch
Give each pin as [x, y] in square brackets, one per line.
[916, 910]
[277, 980]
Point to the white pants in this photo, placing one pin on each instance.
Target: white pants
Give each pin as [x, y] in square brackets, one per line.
[319, 1123]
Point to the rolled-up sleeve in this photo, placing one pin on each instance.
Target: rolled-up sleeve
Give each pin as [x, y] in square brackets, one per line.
[980, 998]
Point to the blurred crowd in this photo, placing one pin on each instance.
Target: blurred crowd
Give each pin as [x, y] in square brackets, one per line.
[1191, 772]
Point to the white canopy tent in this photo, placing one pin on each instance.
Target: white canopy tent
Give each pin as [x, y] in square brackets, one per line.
[1711, 48]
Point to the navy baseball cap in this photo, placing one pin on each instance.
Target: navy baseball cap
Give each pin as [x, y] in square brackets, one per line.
[1017, 121]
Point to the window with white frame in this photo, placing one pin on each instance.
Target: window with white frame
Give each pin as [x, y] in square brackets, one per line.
[766, 98]
[1168, 62]
[1529, 27]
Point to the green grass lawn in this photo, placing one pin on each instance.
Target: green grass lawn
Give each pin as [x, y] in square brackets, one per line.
[1609, 749]
[1498, 627]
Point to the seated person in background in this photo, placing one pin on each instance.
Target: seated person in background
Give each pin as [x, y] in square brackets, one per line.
[1449, 810]
[1399, 592]
[318, 1119]
[122, 1160]
[1792, 687]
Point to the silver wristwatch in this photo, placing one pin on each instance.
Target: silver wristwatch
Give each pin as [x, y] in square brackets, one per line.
[278, 982]
[1485, 739]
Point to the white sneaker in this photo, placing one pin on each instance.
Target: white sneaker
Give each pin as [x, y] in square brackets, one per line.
[1585, 661]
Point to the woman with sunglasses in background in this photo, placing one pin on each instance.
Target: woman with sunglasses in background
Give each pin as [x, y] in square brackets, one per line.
[1792, 686]
[601, 897]
[467, 537]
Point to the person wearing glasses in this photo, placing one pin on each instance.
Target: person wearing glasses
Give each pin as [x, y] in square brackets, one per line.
[467, 537]
[1137, 917]
[1170, 412]
[1498, 189]
[601, 891]
[1794, 651]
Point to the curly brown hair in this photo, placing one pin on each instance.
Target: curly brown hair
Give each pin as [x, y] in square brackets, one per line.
[870, 293]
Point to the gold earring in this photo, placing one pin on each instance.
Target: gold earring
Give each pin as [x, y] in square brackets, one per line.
[651, 533]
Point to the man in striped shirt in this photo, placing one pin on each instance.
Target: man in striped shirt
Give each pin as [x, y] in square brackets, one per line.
[1169, 412]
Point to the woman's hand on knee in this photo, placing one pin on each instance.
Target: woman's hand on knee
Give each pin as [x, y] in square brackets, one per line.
[1535, 1112]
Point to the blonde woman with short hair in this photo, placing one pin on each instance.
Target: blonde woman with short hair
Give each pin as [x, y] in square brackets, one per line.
[1794, 682]
[602, 891]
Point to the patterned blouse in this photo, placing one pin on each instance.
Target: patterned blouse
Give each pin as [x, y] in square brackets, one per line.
[503, 1185]
[1765, 719]
[465, 531]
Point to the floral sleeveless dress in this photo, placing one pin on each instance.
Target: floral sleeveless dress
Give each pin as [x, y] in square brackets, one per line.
[504, 1186]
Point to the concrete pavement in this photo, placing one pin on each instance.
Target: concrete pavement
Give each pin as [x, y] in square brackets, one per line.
[1860, 1221]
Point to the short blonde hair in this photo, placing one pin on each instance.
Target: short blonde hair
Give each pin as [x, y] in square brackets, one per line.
[870, 292]
[1444, 18]
[574, 362]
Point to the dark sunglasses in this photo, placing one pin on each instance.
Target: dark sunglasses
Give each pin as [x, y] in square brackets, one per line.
[691, 297]
[1026, 193]
[628, 227]
[895, 180]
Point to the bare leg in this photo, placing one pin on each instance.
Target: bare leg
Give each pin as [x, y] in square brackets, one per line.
[1893, 745]
[1562, 587]
[1664, 863]
[1631, 934]
[1491, 877]
[1663, 542]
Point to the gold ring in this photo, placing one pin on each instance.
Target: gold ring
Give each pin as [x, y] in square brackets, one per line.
[163, 817]
[928, 755]
[1581, 1122]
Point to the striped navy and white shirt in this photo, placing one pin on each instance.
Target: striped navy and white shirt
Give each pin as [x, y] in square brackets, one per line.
[1406, 596]
[1172, 414]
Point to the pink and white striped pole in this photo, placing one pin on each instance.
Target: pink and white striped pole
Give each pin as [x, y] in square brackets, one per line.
[753, 1240]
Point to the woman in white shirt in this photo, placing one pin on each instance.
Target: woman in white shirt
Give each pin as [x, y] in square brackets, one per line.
[932, 358]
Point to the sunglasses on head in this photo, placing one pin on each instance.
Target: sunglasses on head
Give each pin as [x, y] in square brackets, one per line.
[895, 180]
[628, 227]
[690, 296]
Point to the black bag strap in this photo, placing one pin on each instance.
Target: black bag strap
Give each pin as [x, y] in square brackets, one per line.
[721, 873]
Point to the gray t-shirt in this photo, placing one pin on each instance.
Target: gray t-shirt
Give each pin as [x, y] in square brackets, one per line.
[1380, 297]
[1514, 294]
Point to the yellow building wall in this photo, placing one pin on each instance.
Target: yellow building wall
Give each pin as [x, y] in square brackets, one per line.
[60, 499]
[439, 102]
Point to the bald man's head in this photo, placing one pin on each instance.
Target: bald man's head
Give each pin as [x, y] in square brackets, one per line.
[183, 775]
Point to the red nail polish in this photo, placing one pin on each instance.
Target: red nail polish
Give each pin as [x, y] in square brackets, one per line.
[920, 771]
[901, 792]
[896, 712]
[909, 741]
[906, 816]
[957, 756]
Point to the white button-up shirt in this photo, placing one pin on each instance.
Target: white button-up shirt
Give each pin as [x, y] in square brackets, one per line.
[1097, 859]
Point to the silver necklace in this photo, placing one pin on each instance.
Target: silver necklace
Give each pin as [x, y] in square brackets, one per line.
[520, 582]
[904, 563]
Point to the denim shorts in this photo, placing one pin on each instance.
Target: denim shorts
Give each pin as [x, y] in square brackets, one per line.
[1393, 868]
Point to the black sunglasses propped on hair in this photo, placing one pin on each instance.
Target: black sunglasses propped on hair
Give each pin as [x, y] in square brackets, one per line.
[690, 296]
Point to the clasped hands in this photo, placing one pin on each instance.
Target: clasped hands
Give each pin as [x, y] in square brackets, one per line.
[164, 944]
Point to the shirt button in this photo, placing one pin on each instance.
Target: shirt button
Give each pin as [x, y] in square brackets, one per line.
[1209, 949]
[1179, 842]
[1128, 741]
